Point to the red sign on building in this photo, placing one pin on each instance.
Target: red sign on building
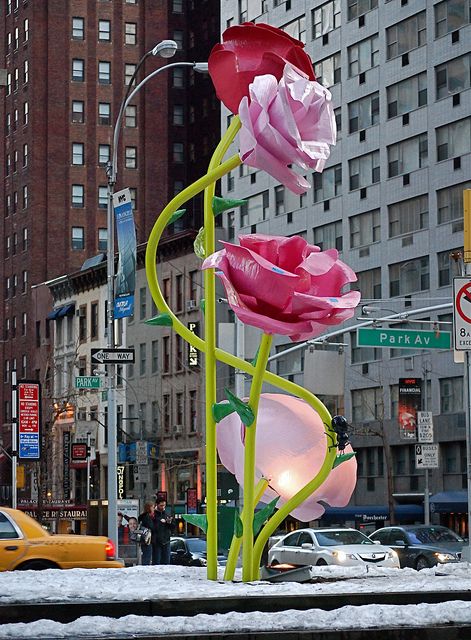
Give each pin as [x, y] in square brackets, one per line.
[79, 451]
[28, 419]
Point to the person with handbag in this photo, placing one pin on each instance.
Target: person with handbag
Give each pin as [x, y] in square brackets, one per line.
[147, 519]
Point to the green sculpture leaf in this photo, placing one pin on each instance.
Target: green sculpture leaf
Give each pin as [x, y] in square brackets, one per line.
[220, 410]
[262, 516]
[254, 361]
[343, 458]
[176, 215]
[238, 526]
[243, 410]
[198, 244]
[162, 320]
[198, 519]
[222, 204]
[203, 304]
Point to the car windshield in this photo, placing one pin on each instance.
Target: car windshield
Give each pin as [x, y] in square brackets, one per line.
[349, 536]
[432, 535]
[196, 545]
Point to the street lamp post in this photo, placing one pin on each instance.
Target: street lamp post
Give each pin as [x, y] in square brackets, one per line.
[166, 49]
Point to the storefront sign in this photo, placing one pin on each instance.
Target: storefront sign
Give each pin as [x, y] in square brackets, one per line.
[61, 514]
[191, 501]
[121, 481]
[66, 463]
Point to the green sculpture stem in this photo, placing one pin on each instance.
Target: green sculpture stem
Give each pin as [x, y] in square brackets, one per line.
[236, 542]
[249, 458]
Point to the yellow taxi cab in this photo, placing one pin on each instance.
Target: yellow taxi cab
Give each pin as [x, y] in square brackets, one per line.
[24, 544]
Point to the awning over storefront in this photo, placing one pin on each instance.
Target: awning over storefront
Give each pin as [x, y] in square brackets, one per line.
[368, 513]
[60, 312]
[449, 502]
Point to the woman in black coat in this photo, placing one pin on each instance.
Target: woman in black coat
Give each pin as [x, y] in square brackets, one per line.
[148, 519]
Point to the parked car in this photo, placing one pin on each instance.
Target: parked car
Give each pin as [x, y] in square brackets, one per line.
[24, 544]
[191, 552]
[421, 546]
[346, 547]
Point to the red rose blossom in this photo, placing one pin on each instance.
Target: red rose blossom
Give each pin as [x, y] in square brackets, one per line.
[249, 50]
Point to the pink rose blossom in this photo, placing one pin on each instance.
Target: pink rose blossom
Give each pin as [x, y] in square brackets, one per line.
[285, 285]
[290, 450]
[285, 123]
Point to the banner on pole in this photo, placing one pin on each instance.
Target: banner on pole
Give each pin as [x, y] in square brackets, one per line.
[29, 420]
[127, 254]
[410, 400]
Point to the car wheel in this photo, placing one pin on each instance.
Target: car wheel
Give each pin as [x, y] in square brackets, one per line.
[321, 563]
[274, 562]
[37, 565]
[421, 563]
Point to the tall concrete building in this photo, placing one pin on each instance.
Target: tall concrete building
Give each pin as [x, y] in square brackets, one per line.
[390, 200]
[68, 66]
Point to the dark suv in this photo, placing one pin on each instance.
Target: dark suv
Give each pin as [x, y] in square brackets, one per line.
[191, 552]
[421, 546]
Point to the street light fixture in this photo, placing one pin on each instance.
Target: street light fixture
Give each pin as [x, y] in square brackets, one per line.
[165, 49]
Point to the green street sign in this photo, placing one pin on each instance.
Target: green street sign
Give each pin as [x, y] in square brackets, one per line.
[403, 339]
[87, 382]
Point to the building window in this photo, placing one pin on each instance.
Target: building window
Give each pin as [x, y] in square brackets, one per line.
[166, 410]
[103, 154]
[326, 18]
[78, 111]
[82, 323]
[78, 195]
[454, 139]
[130, 116]
[363, 113]
[364, 170]
[142, 303]
[358, 8]
[78, 28]
[94, 315]
[451, 395]
[450, 202]
[178, 37]
[78, 70]
[329, 236]
[78, 238]
[130, 158]
[408, 216]
[451, 15]
[177, 6]
[444, 264]
[297, 28]
[369, 283]
[25, 196]
[453, 76]
[133, 192]
[406, 35]
[102, 197]
[129, 71]
[25, 113]
[25, 72]
[178, 114]
[179, 353]
[104, 30]
[177, 78]
[408, 155]
[104, 72]
[24, 281]
[279, 200]
[255, 209]
[25, 155]
[193, 411]
[367, 404]
[104, 113]
[406, 96]
[365, 229]
[178, 152]
[102, 239]
[77, 153]
[142, 359]
[166, 354]
[130, 33]
[155, 356]
[24, 323]
[179, 292]
[363, 56]
[25, 239]
[409, 277]
[328, 71]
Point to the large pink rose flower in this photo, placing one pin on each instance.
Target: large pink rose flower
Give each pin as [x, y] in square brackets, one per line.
[287, 123]
[290, 450]
[285, 285]
[249, 50]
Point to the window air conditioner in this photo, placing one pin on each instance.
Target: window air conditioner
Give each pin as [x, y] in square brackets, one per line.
[191, 305]
[178, 429]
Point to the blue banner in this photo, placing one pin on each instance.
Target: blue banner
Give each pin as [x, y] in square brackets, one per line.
[127, 255]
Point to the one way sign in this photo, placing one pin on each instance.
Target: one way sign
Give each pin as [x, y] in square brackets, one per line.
[113, 356]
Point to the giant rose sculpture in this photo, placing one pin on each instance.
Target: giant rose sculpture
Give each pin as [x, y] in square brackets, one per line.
[285, 449]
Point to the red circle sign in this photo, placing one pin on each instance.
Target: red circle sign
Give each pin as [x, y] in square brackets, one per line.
[464, 294]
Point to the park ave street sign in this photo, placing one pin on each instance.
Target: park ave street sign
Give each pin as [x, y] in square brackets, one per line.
[112, 356]
[87, 382]
[403, 339]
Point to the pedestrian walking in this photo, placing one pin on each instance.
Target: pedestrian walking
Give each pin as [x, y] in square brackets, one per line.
[163, 530]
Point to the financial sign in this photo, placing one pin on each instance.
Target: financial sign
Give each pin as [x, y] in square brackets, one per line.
[426, 456]
[29, 394]
[410, 400]
[403, 338]
[424, 426]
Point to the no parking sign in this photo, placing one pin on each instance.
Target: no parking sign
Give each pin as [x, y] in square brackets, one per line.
[462, 313]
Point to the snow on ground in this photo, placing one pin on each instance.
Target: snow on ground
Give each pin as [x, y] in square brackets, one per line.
[147, 583]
